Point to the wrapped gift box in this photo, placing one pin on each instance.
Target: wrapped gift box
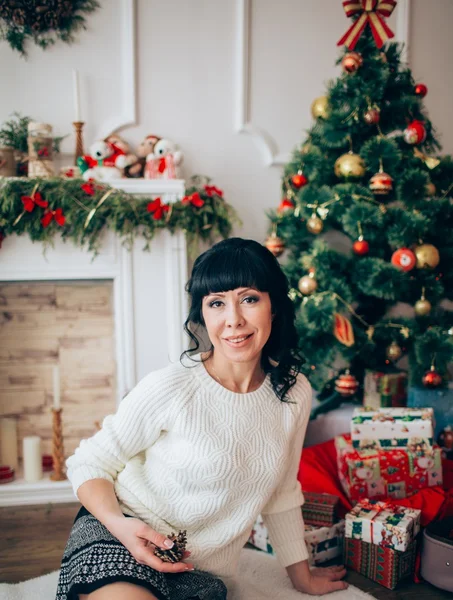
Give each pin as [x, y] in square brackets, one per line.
[381, 564]
[392, 427]
[383, 390]
[323, 543]
[380, 474]
[383, 524]
[320, 509]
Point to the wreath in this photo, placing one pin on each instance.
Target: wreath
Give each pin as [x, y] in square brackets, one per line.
[81, 211]
[43, 21]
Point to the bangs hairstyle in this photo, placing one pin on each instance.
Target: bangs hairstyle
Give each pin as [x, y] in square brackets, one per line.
[238, 263]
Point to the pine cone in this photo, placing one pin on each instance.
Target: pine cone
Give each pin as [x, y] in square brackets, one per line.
[176, 553]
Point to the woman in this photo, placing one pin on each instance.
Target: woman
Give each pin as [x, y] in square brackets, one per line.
[204, 445]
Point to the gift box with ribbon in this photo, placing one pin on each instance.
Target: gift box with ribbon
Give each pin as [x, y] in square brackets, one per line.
[383, 565]
[382, 390]
[369, 472]
[323, 543]
[320, 510]
[392, 427]
[383, 523]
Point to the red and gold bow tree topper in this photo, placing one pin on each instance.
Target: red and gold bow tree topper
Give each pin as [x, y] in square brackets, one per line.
[370, 12]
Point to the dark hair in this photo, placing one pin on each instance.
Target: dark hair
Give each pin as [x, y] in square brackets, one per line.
[236, 263]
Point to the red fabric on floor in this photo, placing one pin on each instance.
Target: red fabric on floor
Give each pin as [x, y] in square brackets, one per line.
[318, 473]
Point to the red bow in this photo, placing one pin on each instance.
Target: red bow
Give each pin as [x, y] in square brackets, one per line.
[29, 202]
[212, 189]
[53, 214]
[194, 199]
[378, 507]
[43, 152]
[158, 209]
[372, 12]
[162, 164]
[90, 187]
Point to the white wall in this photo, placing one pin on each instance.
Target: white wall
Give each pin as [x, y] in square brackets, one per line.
[186, 81]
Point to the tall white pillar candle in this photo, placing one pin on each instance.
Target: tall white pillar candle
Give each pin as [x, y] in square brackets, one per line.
[32, 458]
[8, 442]
[56, 388]
[76, 90]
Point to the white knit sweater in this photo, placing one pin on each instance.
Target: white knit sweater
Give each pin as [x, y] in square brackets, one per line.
[184, 452]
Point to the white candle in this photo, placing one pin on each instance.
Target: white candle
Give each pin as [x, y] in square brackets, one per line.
[56, 388]
[8, 442]
[75, 81]
[32, 458]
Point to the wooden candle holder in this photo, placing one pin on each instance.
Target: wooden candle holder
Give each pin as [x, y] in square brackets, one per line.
[57, 447]
[78, 127]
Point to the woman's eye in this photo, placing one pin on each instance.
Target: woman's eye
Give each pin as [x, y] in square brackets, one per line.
[251, 299]
[215, 303]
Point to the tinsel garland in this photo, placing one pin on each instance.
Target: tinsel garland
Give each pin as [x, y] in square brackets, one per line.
[42, 21]
[81, 211]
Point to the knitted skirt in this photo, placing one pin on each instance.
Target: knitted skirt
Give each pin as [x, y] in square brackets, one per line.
[94, 558]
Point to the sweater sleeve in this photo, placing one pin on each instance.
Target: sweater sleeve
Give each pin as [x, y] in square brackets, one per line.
[282, 514]
[137, 424]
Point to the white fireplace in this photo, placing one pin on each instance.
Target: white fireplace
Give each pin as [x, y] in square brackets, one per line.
[149, 304]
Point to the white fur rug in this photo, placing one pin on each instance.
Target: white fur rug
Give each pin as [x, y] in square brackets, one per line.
[260, 578]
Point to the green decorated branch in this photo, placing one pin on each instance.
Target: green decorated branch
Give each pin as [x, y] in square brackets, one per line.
[42, 21]
[81, 211]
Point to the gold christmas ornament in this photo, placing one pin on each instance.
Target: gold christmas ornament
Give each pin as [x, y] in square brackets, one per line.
[320, 108]
[394, 352]
[275, 244]
[427, 256]
[314, 224]
[422, 307]
[307, 284]
[349, 166]
[430, 189]
[351, 61]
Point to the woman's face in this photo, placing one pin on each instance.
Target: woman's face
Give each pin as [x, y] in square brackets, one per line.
[238, 322]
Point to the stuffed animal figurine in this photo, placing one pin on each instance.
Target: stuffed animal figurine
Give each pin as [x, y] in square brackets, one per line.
[146, 147]
[122, 157]
[101, 164]
[163, 161]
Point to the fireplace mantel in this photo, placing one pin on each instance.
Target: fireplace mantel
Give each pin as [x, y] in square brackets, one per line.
[149, 303]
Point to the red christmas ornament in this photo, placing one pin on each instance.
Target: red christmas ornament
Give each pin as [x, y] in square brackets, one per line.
[372, 116]
[157, 209]
[432, 379]
[346, 384]
[404, 259]
[275, 244]
[415, 133]
[421, 90]
[299, 180]
[381, 183]
[285, 206]
[351, 61]
[194, 199]
[361, 246]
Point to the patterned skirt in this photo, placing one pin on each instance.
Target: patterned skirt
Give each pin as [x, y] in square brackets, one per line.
[94, 558]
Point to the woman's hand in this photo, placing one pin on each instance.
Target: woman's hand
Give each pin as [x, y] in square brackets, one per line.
[140, 539]
[323, 581]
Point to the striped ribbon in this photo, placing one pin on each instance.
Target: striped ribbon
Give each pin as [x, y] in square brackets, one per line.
[372, 13]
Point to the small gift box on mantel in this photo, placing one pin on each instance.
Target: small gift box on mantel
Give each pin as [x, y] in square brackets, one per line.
[383, 523]
[392, 427]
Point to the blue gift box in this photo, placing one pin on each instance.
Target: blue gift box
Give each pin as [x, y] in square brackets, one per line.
[440, 400]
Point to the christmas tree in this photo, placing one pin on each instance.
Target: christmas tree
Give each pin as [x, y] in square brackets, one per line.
[366, 220]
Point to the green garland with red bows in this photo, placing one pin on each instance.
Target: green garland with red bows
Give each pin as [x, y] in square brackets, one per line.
[80, 211]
